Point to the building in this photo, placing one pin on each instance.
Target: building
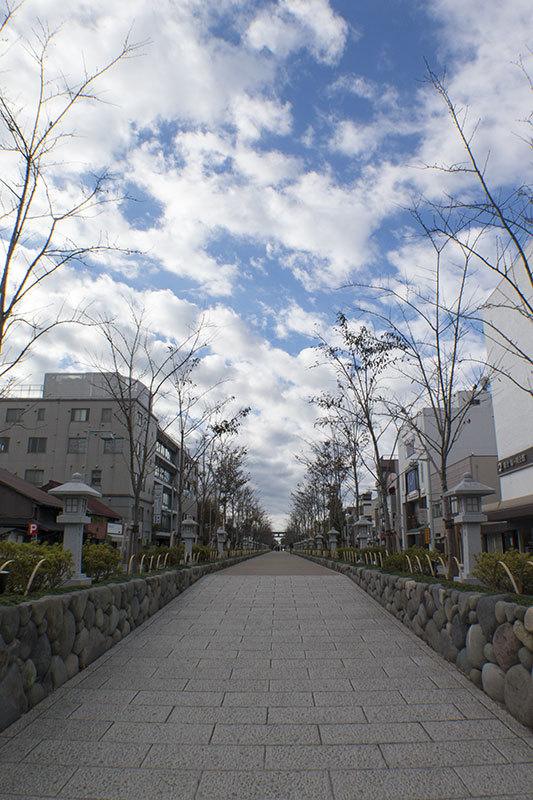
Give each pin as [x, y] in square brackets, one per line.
[507, 324]
[105, 523]
[27, 511]
[77, 424]
[474, 451]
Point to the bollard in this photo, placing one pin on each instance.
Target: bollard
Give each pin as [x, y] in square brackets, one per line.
[32, 576]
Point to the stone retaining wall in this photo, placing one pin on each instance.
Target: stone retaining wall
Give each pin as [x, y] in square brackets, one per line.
[44, 642]
[488, 637]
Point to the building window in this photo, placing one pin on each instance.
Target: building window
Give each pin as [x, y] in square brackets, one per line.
[163, 474]
[36, 444]
[411, 480]
[14, 414]
[4, 444]
[410, 448]
[40, 414]
[96, 477]
[164, 451]
[35, 476]
[79, 415]
[113, 445]
[107, 415]
[167, 498]
[77, 445]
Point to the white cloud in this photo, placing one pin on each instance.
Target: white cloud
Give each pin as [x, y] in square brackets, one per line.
[378, 94]
[291, 25]
[190, 122]
[355, 140]
[295, 319]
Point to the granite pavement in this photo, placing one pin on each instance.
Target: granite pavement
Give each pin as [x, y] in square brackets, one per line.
[276, 679]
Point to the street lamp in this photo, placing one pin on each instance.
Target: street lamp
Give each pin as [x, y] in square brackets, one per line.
[75, 495]
[362, 531]
[332, 539]
[465, 504]
[221, 541]
[188, 534]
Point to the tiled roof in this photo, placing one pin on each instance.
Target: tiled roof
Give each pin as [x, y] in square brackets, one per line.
[94, 505]
[28, 489]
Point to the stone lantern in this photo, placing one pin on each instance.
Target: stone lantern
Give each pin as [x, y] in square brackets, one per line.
[188, 534]
[319, 541]
[465, 506]
[362, 532]
[332, 539]
[221, 541]
[74, 495]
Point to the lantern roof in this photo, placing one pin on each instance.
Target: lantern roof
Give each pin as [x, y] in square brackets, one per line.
[468, 486]
[75, 488]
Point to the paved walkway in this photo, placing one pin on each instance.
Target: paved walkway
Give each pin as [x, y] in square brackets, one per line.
[272, 680]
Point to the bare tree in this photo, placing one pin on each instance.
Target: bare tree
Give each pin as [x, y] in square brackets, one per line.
[494, 226]
[306, 511]
[36, 216]
[251, 521]
[140, 375]
[198, 424]
[360, 359]
[346, 422]
[208, 450]
[229, 479]
[435, 337]
[328, 464]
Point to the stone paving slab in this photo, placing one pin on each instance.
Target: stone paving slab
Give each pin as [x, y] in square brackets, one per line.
[272, 680]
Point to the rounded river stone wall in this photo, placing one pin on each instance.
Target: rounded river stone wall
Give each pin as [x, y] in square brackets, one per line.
[488, 637]
[45, 642]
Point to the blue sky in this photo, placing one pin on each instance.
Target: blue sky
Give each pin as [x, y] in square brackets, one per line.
[271, 149]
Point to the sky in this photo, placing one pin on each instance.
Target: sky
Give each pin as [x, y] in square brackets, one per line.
[267, 153]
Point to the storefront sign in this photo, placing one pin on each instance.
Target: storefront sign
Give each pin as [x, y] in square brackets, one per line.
[516, 461]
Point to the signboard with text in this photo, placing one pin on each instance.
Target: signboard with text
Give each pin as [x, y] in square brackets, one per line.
[516, 461]
[33, 529]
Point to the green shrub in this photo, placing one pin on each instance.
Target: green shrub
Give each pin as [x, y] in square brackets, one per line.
[202, 552]
[56, 569]
[490, 571]
[175, 555]
[348, 553]
[99, 561]
[422, 553]
[396, 562]
[374, 549]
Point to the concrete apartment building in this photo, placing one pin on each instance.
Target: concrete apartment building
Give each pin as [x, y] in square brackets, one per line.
[474, 451]
[75, 425]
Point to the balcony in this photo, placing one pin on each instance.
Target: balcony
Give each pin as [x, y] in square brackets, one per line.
[418, 520]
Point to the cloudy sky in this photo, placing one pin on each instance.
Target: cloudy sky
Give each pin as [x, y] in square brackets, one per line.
[270, 149]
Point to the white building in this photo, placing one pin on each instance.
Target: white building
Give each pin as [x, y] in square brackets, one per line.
[508, 333]
[474, 451]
